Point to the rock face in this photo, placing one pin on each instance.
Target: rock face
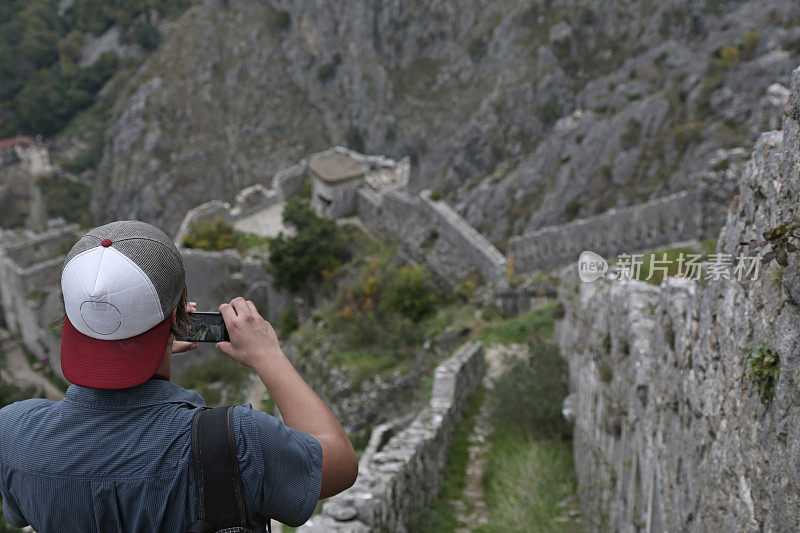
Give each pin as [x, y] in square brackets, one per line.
[666, 438]
[523, 114]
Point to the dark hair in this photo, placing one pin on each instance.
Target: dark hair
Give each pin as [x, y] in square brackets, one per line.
[182, 320]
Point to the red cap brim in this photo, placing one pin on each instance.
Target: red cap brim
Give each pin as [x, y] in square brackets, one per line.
[118, 364]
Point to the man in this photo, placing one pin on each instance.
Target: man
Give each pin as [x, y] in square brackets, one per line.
[114, 455]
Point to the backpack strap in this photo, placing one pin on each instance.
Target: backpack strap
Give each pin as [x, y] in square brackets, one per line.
[220, 498]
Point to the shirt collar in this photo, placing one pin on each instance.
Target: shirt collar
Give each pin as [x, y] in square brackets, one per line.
[151, 392]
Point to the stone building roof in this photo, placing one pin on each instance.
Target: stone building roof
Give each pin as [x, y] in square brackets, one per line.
[11, 142]
[335, 168]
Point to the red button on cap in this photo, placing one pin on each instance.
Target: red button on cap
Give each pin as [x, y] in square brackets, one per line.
[106, 242]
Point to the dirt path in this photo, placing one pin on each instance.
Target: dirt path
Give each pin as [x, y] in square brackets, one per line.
[477, 513]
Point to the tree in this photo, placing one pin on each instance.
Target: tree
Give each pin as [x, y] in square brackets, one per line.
[147, 36]
[410, 293]
[309, 254]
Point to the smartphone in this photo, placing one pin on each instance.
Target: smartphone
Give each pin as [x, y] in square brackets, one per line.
[207, 327]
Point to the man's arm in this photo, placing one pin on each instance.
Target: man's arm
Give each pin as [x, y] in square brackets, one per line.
[254, 344]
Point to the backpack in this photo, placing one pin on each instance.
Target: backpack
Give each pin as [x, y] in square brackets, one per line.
[220, 497]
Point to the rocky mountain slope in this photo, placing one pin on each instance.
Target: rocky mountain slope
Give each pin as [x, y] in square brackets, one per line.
[522, 113]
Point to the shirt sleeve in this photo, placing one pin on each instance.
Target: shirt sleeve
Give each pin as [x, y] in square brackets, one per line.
[281, 467]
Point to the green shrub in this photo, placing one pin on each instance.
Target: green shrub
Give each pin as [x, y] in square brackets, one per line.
[373, 322]
[326, 71]
[312, 253]
[41, 86]
[211, 234]
[353, 139]
[550, 112]
[761, 368]
[47, 101]
[281, 20]
[67, 198]
[530, 391]
[632, 134]
[288, 323]
[726, 57]
[436, 195]
[477, 48]
[750, 43]
[410, 293]
[147, 36]
[573, 208]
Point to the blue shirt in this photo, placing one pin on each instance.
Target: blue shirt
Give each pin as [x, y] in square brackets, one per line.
[120, 460]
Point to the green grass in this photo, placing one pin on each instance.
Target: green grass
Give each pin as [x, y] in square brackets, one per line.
[530, 476]
[367, 364]
[455, 314]
[251, 243]
[520, 328]
[440, 515]
[360, 439]
[530, 484]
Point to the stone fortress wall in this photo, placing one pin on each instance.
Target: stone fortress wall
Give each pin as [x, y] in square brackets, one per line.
[666, 436]
[401, 470]
[683, 216]
[30, 286]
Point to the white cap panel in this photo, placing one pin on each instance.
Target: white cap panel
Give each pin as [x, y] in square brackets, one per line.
[107, 296]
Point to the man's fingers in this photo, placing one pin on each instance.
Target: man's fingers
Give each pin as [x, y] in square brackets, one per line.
[252, 307]
[240, 305]
[182, 346]
[224, 347]
[228, 314]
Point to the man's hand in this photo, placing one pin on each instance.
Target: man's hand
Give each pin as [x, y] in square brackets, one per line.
[253, 340]
[184, 346]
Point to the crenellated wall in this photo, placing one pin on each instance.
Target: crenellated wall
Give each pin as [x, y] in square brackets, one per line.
[666, 437]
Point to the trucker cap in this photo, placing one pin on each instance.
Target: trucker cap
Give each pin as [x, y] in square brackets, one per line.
[120, 283]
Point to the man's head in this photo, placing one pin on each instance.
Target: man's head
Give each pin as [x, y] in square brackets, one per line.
[121, 283]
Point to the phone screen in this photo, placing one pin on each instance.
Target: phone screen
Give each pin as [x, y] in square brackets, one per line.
[207, 327]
